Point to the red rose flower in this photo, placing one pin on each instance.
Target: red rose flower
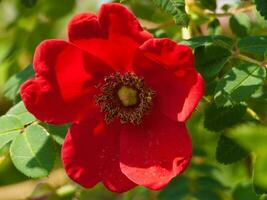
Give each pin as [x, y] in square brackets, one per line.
[127, 94]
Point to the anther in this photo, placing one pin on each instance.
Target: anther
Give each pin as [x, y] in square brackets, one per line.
[125, 97]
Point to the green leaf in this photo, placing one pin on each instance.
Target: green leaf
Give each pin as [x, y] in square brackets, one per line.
[253, 44]
[261, 6]
[57, 132]
[218, 119]
[210, 87]
[244, 191]
[208, 183]
[261, 94]
[207, 40]
[171, 191]
[210, 60]
[260, 174]
[176, 8]
[214, 27]
[207, 195]
[21, 112]
[10, 127]
[56, 9]
[239, 84]
[32, 152]
[29, 3]
[208, 4]
[240, 24]
[250, 136]
[186, 187]
[11, 88]
[228, 151]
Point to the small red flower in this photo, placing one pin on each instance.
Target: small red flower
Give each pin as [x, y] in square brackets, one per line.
[127, 94]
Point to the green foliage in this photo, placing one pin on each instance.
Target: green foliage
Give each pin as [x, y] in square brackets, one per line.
[239, 83]
[210, 59]
[261, 6]
[228, 151]
[218, 119]
[171, 192]
[32, 152]
[202, 187]
[260, 173]
[21, 113]
[10, 127]
[11, 88]
[208, 40]
[56, 9]
[208, 4]
[214, 27]
[176, 8]
[240, 24]
[253, 137]
[244, 191]
[28, 3]
[253, 44]
[57, 132]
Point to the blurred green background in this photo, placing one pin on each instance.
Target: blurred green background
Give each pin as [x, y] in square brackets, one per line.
[25, 23]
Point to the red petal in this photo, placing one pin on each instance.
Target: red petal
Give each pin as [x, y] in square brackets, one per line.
[113, 36]
[152, 154]
[117, 19]
[64, 84]
[194, 96]
[169, 69]
[90, 154]
[84, 26]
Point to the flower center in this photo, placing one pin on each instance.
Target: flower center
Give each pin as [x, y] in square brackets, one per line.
[125, 97]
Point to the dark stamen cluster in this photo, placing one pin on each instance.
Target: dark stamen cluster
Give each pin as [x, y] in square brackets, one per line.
[110, 103]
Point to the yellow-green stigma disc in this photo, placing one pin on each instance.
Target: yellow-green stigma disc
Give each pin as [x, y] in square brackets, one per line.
[128, 96]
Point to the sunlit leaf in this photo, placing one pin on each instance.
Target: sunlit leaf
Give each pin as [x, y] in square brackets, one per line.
[21, 112]
[10, 127]
[238, 84]
[32, 152]
[11, 88]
